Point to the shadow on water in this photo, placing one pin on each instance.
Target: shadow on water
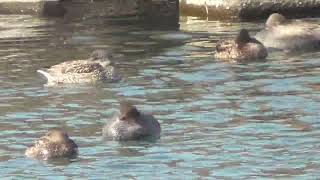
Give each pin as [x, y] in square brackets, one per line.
[59, 162]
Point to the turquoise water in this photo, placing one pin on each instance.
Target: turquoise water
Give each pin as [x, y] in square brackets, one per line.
[219, 120]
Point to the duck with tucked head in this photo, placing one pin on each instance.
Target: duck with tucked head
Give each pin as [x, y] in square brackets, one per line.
[243, 48]
[55, 144]
[288, 35]
[97, 68]
[131, 124]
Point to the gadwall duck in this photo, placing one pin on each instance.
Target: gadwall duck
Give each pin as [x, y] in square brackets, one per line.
[289, 35]
[132, 124]
[97, 68]
[55, 144]
[243, 48]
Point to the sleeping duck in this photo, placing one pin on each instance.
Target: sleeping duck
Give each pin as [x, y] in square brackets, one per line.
[131, 124]
[281, 33]
[243, 48]
[55, 144]
[97, 68]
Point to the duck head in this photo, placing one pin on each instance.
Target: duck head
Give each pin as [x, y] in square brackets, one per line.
[57, 136]
[243, 38]
[102, 56]
[128, 112]
[275, 19]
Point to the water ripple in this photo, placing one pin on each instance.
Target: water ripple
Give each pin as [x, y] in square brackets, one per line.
[219, 120]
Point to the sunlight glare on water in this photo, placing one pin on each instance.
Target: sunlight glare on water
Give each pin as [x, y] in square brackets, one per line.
[219, 120]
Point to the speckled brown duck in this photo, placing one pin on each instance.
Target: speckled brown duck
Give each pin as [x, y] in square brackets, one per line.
[97, 68]
[242, 48]
[55, 144]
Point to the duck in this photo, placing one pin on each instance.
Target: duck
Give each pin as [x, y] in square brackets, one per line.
[97, 68]
[289, 35]
[54, 144]
[131, 124]
[242, 48]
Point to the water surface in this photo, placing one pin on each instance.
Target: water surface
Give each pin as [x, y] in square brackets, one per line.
[219, 120]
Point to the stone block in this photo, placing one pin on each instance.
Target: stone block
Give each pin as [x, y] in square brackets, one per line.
[249, 9]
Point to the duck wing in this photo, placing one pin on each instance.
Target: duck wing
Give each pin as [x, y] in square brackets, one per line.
[62, 66]
[42, 142]
[225, 45]
[294, 30]
[291, 36]
[82, 68]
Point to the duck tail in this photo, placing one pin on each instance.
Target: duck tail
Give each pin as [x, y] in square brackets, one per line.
[46, 75]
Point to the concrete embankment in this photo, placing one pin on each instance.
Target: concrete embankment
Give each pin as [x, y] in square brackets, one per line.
[164, 12]
[39, 7]
[249, 9]
[151, 11]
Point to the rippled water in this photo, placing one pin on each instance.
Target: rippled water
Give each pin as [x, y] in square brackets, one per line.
[219, 120]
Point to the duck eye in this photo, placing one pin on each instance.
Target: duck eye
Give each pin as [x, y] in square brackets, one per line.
[123, 117]
[109, 56]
